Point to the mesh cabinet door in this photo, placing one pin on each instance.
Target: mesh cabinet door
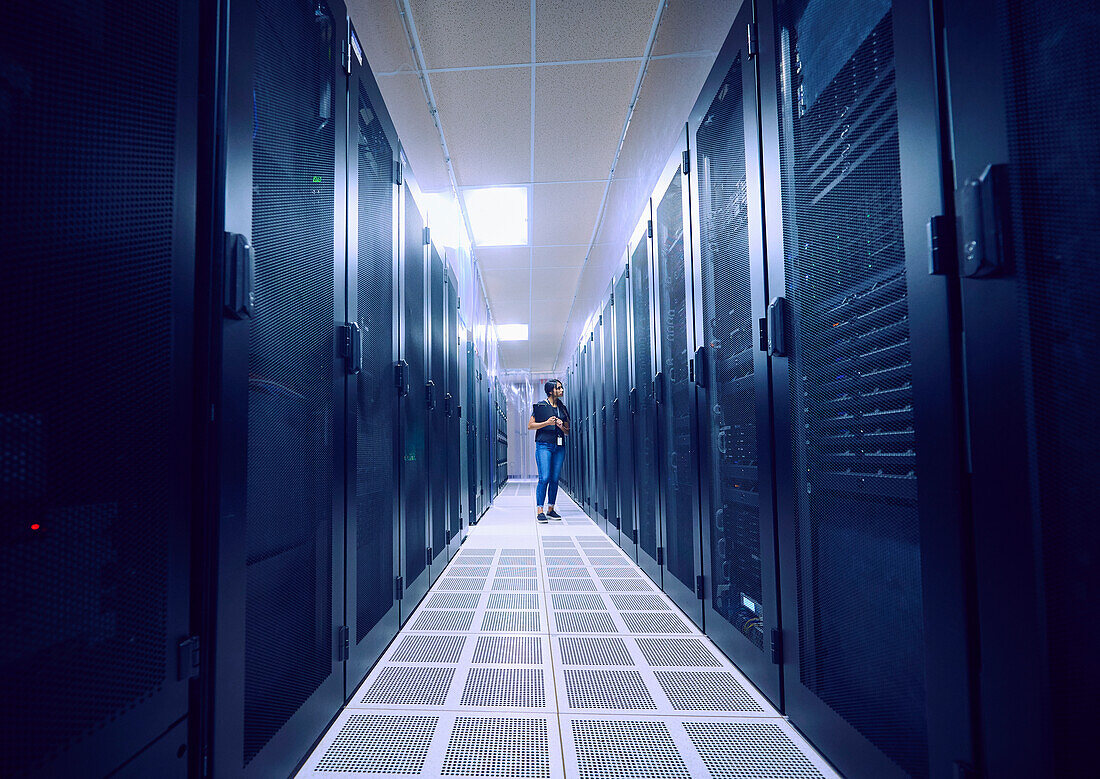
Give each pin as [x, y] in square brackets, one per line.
[867, 450]
[675, 408]
[731, 371]
[415, 510]
[599, 420]
[280, 550]
[98, 291]
[437, 420]
[470, 410]
[610, 444]
[1025, 129]
[624, 419]
[647, 499]
[454, 422]
[373, 554]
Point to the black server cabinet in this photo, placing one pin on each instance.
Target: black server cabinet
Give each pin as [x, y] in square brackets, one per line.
[677, 467]
[436, 416]
[599, 426]
[372, 347]
[610, 442]
[98, 209]
[415, 496]
[280, 454]
[1026, 152]
[462, 413]
[646, 496]
[593, 421]
[624, 417]
[868, 466]
[452, 404]
[731, 371]
[471, 433]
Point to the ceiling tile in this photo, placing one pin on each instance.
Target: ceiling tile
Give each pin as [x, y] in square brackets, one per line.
[546, 282]
[514, 354]
[506, 285]
[409, 111]
[559, 256]
[565, 213]
[511, 310]
[382, 35]
[584, 30]
[486, 118]
[579, 115]
[701, 25]
[515, 258]
[462, 33]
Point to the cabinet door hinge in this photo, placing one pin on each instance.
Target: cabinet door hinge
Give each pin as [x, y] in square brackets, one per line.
[351, 347]
[428, 556]
[700, 592]
[753, 41]
[649, 228]
[399, 588]
[777, 646]
[660, 555]
[611, 300]
[398, 172]
[777, 328]
[941, 245]
[188, 658]
[400, 370]
[343, 643]
[427, 235]
[686, 164]
[634, 534]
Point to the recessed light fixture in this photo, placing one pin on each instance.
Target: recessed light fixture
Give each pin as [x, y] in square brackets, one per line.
[498, 215]
[511, 332]
[445, 220]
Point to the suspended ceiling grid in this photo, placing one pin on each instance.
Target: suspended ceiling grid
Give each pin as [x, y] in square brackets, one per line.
[536, 93]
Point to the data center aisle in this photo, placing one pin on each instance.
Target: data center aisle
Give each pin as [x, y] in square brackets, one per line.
[543, 651]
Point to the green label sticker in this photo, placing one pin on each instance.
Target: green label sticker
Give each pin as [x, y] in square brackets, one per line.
[316, 179]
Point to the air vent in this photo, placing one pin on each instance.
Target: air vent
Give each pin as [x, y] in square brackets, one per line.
[579, 603]
[505, 687]
[743, 750]
[513, 601]
[508, 650]
[409, 685]
[617, 749]
[517, 570]
[465, 569]
[705, 691]
[557, 559]
[429, 649]
[590, 689]
[677, 652]
[498, 747]
[618, 573]
[640, 602]
[454, 600]
[506, 584]
[572, 585]
[567, 570]
[380, 744]
[517, 560]
[648, 622]
[594, 651]
[517, 551]
[457, 621]
[627, 585]
[460, 583]
[584, 622]
[512, 622]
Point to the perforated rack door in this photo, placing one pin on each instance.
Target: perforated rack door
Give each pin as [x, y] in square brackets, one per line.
[454, 423]
[96, 344]
[624, 421]
[437, 422]
[374, 556]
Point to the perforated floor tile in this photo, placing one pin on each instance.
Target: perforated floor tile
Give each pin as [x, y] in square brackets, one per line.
[640, 584]
[524, 560]
[380, 743]
[747, 750]
[465, 583]
[454, 600]
[617, 749]
[517, 570]
[494, 688]
[498, 746]
[572, 585]
[399, 685]
[584, 622]
[565, 571]
[578, 602]
[461, 569]
[655, 622]
[428, 649]
[512, 600]
[512, 622]
[601, 650]
[455, 621]
[559, 559]
[508, 650]
[508, 583]
[706, 691]
[640, 601]
[597, 689]
[677, 652]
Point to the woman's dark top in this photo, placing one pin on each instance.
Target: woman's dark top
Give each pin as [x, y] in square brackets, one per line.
[544, 411]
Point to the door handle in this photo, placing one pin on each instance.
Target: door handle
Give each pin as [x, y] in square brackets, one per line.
[777, 328]
[701, 367]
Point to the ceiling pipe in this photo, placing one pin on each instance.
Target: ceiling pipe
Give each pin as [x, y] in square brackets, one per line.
[661, 4]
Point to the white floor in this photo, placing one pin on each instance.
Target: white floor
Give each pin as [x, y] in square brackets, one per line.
[544, 651]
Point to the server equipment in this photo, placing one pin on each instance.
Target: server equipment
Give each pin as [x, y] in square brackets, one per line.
[96, 411]
[609, 441]
[452, 407]
[623, 482]
[438, 453]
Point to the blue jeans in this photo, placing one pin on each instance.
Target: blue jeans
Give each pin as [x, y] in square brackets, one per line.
[549, 458]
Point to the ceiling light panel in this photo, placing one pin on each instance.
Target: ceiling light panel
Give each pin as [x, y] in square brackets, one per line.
[498, 215]
[512, 332]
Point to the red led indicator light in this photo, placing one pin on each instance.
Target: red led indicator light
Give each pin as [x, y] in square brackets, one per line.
[35, 526]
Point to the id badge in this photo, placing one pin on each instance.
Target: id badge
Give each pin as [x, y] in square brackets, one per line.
[561, 441]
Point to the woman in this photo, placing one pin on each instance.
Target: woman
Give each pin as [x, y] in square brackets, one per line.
[550, 420]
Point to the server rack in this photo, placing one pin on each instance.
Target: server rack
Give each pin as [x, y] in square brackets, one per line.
[869, 467]
[278, 450]
[731, 371]
[413, 376]
[599, 425]
[438, 452]
[1024, 157]
[471, 434]
[624, 416]
[372, 348]
[677, 468]
[96, 414]
[609, 442]
[647, 496]
[452, 402]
